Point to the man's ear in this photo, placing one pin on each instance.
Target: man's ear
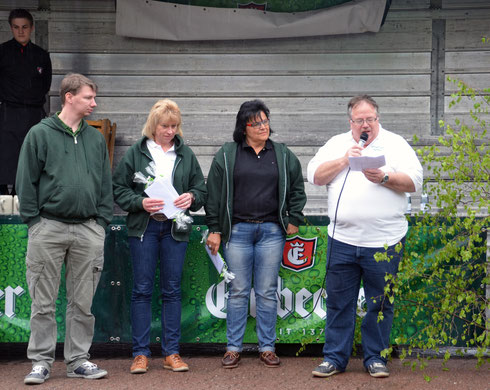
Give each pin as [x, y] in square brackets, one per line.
[68, 97]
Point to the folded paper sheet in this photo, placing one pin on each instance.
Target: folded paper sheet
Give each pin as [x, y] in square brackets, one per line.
[366, 162]
[161, 188]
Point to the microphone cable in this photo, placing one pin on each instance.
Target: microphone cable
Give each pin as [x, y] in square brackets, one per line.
[329, 252]
[362, 141]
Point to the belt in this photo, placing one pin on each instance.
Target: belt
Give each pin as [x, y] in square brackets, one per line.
[159, 217]
[253, 221]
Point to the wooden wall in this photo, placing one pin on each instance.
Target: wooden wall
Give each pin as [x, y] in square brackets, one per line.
[306, 82]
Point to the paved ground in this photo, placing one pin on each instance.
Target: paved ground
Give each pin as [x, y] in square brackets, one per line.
[295, 373]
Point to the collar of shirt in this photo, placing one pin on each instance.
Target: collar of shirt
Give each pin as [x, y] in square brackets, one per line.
[152, 144]
[268, 145]
[164, 161]
[68, 128]
[20, 46]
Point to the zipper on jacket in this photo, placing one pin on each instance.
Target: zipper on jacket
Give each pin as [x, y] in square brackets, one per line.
[284, 196]
[146, 227]
[148, 220]
[75, 139]
[227, 199]
[175, 167]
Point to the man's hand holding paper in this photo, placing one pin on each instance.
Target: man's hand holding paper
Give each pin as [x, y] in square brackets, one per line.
[366, 162]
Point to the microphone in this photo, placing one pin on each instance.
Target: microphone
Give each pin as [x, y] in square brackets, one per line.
[363, 139]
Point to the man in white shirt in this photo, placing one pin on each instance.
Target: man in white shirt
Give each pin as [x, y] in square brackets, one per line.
[366, 210]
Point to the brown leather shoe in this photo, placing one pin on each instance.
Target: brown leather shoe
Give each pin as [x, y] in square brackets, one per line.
[140, 365]
[174, 362]
[231, 359]
[270, 359]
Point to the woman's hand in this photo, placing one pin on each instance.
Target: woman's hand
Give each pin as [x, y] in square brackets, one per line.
[291, 229]
[184, 201]
[213, 242]
[153, 205]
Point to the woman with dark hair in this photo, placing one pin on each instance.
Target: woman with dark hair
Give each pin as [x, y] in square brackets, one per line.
[151, 235]
[255, 197]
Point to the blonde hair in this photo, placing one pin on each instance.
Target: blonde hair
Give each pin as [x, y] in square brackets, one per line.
[162, 110]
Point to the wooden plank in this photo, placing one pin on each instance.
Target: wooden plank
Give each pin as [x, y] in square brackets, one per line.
[90, 35]
[403, 105]
[465, 4]
[466, 34]
[8, 5]
[398, 5]
[265, 86]
[474, 80]
[291, 129]
[463, 106]
[83, 5]
[468, 62]
[242, 64]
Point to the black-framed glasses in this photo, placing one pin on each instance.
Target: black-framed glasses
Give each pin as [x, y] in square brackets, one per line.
[360, 122]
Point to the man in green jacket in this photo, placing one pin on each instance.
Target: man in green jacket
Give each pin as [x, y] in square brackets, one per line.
[65, 192]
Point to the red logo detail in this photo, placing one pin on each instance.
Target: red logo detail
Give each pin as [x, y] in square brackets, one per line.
[39, 70]
[299, 253]
[253, 5]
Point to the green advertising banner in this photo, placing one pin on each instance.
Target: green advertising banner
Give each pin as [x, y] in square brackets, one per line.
[197, 20]
[301, 311]
[301, 307]
[269, 5]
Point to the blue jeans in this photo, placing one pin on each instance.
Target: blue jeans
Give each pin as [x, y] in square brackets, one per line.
[348, 265]
[157, 244]
[254, 250]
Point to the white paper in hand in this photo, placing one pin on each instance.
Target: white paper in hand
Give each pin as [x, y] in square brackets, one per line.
[216, 259]
[162, 188]
[366, 162]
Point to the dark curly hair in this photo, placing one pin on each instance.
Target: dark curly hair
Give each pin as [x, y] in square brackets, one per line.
[249, 110]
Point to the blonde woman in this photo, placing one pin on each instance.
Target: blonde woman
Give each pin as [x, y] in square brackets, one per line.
[153, 237]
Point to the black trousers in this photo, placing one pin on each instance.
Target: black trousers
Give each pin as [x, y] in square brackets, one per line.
[15, 122]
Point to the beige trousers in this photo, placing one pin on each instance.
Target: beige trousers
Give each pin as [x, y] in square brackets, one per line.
[81, 248]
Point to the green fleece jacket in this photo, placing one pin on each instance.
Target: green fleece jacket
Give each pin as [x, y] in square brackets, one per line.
[219, 206]
[187, 177]
[63, 175]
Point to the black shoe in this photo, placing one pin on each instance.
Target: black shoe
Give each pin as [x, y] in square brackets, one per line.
[325, 369]
[378, 370]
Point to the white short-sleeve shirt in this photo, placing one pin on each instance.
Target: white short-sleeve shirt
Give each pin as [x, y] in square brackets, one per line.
[369, 215]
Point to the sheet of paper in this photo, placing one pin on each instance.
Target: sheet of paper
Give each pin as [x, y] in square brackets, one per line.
[216, 259]
[162, 189]
[366, 162]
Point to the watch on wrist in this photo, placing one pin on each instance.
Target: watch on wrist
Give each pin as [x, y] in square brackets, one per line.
[385, 178]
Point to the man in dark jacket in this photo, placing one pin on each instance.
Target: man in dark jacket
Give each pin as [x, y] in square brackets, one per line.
[25, 79]
[65, 192]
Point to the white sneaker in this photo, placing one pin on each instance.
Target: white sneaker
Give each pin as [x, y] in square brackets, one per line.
[38, 375]
[88, 371]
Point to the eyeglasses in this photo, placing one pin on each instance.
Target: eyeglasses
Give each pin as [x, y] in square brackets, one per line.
[360, 122]
[256, 125]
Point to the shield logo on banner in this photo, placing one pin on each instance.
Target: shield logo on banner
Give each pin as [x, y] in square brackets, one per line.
[253, 5]
[299, 253]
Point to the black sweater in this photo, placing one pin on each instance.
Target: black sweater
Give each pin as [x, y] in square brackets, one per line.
[25, 74]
